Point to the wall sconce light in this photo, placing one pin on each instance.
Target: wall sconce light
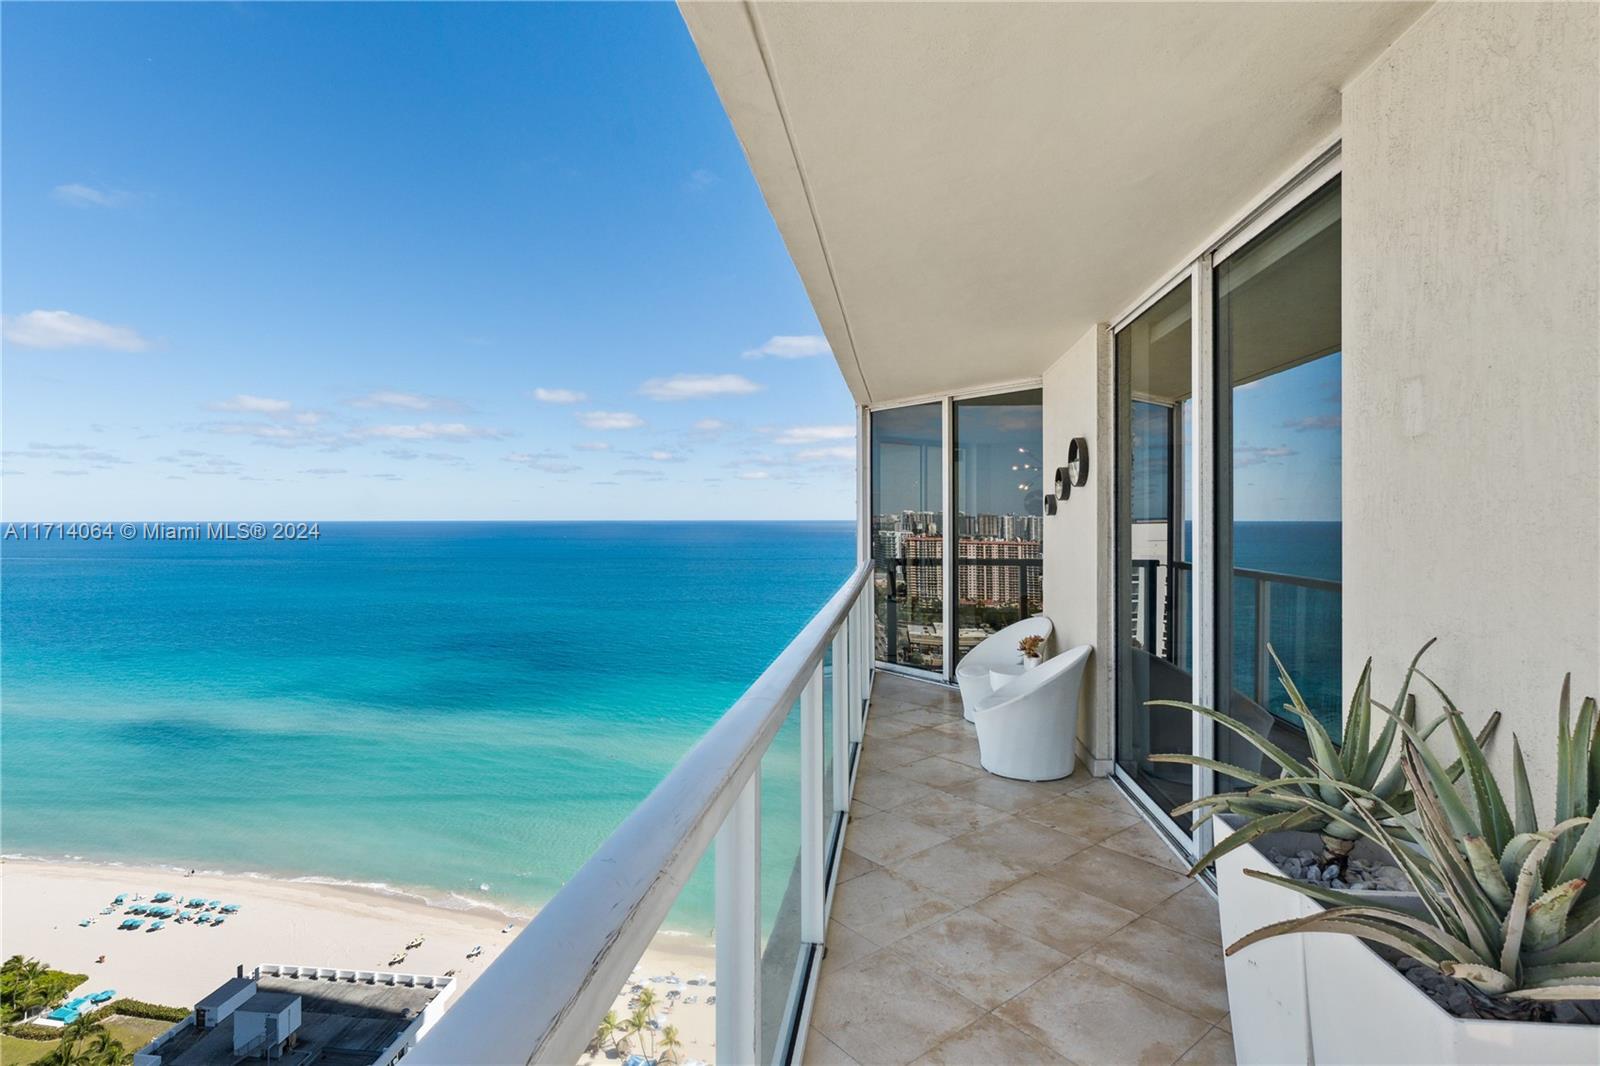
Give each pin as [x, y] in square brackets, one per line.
[1049, 505]
[1063, 484]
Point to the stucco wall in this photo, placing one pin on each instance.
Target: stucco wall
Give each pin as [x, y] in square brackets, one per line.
[1471, 369]
[1077, 548]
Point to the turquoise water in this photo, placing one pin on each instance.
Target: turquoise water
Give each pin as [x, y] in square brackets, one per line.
[429, 706]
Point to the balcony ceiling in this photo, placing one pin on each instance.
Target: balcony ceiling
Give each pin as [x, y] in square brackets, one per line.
[967, 188]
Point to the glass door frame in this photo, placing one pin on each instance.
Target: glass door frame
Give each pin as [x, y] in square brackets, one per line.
[1209, 495]
[947, 531]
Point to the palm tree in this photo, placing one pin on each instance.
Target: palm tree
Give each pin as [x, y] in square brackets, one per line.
[670, 1044]
[75, 1051]
[606, 1033]
[647, 1000]
[103, 1050]
[25, 977]
[639, 1022]
[623, 1035]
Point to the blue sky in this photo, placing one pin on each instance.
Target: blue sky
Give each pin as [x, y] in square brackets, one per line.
[397, 261]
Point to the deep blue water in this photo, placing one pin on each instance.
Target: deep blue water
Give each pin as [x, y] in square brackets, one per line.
[435, 706]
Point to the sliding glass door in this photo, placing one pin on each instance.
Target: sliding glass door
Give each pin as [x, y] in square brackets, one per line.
[908, 535]
[999, 504]
[979, 460]
[1278, 519]
[1227, 517]
[1154, 572]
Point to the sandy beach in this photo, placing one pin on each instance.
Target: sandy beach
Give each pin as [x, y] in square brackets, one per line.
[290, 922]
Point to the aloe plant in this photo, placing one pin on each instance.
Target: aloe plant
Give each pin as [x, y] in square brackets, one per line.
[1298, 797]
[1511, 908]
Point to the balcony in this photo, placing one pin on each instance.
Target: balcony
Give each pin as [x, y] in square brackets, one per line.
[981, 920]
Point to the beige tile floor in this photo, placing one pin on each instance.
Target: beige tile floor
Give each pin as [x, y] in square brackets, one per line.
[986, 922]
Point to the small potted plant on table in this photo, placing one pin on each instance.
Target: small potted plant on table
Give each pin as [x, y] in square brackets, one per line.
[1032, 649]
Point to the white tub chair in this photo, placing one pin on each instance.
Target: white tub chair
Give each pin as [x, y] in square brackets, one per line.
[1028, 728]
[997, 649]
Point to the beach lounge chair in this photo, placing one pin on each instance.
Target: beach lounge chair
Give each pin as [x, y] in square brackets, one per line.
[160, 897]
[87, 922]
[131, 923]
[122, 897]
[475, 952]
[416, 942]
[213, 904]
[397, 958]
[104, 996]
[217, 921]
[230, 908]
[155, 925]
[197, 902]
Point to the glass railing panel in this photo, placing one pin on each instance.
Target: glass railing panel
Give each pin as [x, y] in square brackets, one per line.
[666, 1009]
[825, 793]
[780, 882]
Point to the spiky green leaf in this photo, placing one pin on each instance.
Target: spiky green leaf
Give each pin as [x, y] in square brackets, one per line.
[1486, 869]
[1526, 818]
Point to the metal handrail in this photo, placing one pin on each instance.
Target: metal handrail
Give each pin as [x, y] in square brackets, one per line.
[541, 999]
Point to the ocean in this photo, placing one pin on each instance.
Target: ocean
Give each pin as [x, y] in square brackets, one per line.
[460, 711]
[463, 711]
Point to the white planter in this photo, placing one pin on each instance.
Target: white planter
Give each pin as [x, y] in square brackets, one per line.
[1364, 1011]
[1327, 998]
[1266, 981]
[1268, 995]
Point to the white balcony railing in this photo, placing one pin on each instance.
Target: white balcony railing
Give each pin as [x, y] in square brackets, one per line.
[542, 999]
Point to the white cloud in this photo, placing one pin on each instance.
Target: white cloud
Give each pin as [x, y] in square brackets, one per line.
[820, 455]
[610, 420]
[815, 434]
[548, 462]
[79, 195]
[1313, 422]
[700, 180]
[785, 347]
[593, 446]
[754, 475]
[711, 425]
[263, 405]
[559, 395]
[1252, 455]
[262, 430]
[404, 401]
[430, 431]
[325, 471]
[309, 418]
[696, 386]
[63, 329]
[660, 456]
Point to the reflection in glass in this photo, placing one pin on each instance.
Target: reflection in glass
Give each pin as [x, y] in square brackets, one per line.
[1154, 573]
[1278, 340]
[999, 506]
[907, 535]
